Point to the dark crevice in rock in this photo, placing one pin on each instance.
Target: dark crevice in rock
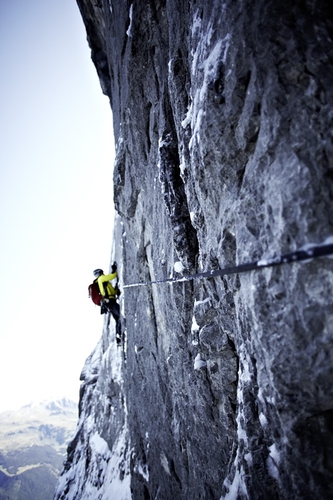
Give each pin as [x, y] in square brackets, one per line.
[153, 318]
[217, 84]
[184, 234]
[149, 128]
[119, 176]
[174, 473]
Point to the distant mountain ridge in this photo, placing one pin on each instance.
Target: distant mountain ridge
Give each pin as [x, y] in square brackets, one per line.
[48, 422]
[33, 443]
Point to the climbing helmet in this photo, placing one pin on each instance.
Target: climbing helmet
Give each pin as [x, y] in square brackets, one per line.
[98, 272]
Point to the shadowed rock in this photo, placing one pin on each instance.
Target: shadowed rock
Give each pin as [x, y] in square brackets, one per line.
[223, 115]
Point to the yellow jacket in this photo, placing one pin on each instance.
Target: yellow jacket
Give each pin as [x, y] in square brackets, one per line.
[110, 291]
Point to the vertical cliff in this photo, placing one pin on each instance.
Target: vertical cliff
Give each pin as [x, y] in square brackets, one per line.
[223, 115]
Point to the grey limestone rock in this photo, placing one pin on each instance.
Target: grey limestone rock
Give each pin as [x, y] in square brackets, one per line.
[223, 121]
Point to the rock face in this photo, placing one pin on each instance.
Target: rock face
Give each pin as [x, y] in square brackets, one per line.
[223, 115]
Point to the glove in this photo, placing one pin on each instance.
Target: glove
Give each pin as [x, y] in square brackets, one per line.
[114, 267]
[106, 300]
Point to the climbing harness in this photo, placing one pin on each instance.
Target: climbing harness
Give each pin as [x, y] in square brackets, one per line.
[307, 253]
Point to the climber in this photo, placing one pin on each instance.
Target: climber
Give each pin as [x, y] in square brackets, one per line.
[109, 295]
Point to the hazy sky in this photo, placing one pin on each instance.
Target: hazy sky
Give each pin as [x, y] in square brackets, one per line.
[56, 161]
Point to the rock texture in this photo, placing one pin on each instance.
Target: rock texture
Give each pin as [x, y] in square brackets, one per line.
[223, 114]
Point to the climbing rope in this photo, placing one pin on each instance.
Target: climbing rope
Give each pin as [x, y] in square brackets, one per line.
[307, 253]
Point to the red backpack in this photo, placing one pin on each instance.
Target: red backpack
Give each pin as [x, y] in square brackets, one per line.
[94, 294]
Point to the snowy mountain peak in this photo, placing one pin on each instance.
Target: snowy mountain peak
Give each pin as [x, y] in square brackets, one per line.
[33, 443]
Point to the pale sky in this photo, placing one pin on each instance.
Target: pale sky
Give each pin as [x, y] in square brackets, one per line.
[56, 161]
